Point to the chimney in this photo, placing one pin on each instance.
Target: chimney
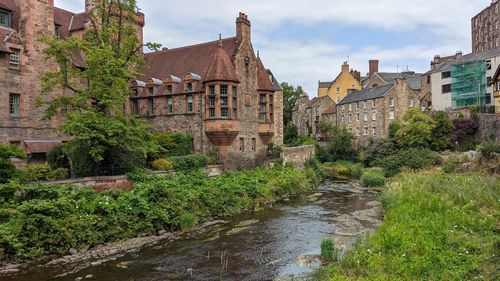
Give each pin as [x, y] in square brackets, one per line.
[345, 67]
[458, 55]
[243, 28]
[373, 67]
[356, 74]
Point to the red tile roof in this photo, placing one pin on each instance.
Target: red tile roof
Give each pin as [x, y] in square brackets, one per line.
[221, 68]
[3, 34]
[263, 81]
[78, 22]
[190, 59]
[63, 19]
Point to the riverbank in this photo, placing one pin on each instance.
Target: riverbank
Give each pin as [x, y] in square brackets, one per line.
[37, 221]
[436, 227]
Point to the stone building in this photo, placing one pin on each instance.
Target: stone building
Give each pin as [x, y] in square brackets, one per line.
[348, 79]
[217, 92]
[375, 78]
[369, 112]
[307, 114]
[485, 28]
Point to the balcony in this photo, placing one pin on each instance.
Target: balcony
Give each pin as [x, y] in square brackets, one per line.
[222, 132]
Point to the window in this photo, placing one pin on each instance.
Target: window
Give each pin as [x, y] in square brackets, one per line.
[350, 107]
[57, 30]
[343, 119]
[14, 105]
[170, 105]
[391, 115]
[366, 105]
[151, 107]
[189, 87]
[223, 90]
[134, 106]
[365, 131]
[374, 131]
[411, 103]
[338, 89]
[446, 74]
[235, 92]
[211, 112]
[211, 101]
[357, 118]
[374, 103]
[254, 144]
[211, 90]
[169, 89]
[14, 58]
[428, 79]
[350, 118]
[366, 117]
[374, 116]
[357, 106]
[343, 108]
[446, 88]
[224, 112]
[263, 105]
[271, 109]
[242, 144]
[391, 102]
[489, 81]
[189, 104]
[5, 19]
[488, 65]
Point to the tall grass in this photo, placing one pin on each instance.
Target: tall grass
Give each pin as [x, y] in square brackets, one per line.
[437, 227]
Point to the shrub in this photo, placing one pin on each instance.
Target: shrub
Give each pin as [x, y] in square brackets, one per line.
[213, 157]
[413, 158]
[488, 149]
[464, 135]
[162, 164]
[340, 147]
[188, 162]
[451, 165]
[35, 172]
[441, 132]
[373, 179]
[315, 165]
[57, 158]
[291, 134]
[342, 170]
[329, 253]
[379, 150]
[274, 150]
[416, 129]
[174, 144]
[7, 170]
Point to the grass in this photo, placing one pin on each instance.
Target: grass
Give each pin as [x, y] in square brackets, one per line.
[437, 227]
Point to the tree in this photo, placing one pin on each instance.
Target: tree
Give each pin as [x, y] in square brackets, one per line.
[415, 129]
[441, 133]
[291, 134]
[340, 146]
[7, 169]
[290, 97]
[96, 92]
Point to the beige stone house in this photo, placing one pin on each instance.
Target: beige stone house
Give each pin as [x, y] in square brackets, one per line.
[307, 114]
[369, 112]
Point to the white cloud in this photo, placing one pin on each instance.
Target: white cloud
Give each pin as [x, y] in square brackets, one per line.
[442, 25]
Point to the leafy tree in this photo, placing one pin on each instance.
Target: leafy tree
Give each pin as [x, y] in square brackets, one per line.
[340, 147]
[464, 135]
[96, 91]
[175, 144]
[416, 129]
[7, 169]
[290, 97]
[441, 132]
[291, 134]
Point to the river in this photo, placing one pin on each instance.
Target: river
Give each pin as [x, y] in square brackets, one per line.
[277, 243]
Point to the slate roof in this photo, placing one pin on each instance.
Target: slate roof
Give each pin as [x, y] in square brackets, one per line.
[263, 81]
[367, 94]
[190, 59]
[323, 85]
[63, 19]
[330, 110]
[446, 66]
[276, 84]
[316, 100]
[413, 79]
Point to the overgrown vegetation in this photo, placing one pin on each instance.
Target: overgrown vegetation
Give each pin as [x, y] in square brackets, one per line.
[7, 169]
[373, 178]
[329, 253]
[339, 146]
[342, 170]
[436, 227]
[37, 220]
[412, 158]
[174, 144]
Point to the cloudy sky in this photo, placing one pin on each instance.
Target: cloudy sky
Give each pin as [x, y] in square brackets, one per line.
[304, 41]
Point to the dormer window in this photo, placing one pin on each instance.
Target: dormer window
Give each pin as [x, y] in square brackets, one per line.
[189, 87]
[5, 19]
[170, 89]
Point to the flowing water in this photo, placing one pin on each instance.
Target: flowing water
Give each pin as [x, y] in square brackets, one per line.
[273, 244]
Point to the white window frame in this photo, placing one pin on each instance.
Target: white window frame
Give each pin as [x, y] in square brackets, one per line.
[374, 103]
[391, 102]
[391, 115]
[350, 107]
[15, 58]
[374, 116]
[366, 117]
[14, 105]
[365, 131]
[411, 103]
[8, 15]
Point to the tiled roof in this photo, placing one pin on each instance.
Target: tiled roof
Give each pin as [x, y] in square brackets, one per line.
[276, 84]
[190, 59]
[63, 19]
[263, 80]
[413, 79]
[465, 59]
[367, 94]
[330, 110]
[316, 100]
[324, 84]
[221, 68]
[78, 22]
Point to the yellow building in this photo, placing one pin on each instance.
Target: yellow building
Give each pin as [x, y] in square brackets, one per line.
[339, 88]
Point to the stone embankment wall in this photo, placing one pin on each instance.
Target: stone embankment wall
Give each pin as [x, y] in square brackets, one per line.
[299, 155]
[489, 126]
[121, 182]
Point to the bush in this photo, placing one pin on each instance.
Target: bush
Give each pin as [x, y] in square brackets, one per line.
[315, 165]
[342, 170]
[7, 170]
[451, 165]
[441, 133]
[488, 149]
[162, 164]
[329, 253]
[35, 172]
[464, 135]
[57, 158]
[379, 150]
[291, 134]
[340, 147]
[59, 174]
[413, 158]
[373, 179]
[175, 144]
[189, 162]
[213, 158]
[416, 129]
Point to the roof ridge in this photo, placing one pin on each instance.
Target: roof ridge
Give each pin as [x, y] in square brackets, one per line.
[189, 46]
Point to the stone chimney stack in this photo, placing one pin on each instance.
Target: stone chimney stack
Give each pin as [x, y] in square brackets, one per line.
[373, 67]
[345, 67]
[243, 28]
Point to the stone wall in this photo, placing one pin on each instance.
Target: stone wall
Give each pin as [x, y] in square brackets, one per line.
[489, 126]
[299, 155]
